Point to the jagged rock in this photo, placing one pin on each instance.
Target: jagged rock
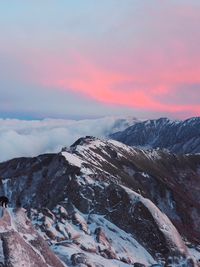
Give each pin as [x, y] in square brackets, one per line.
[79, 258]
[48, 213]
[101, 237]
[63, 213]
[80, 221]
[50, 234]
[22, 245]
[106, 252]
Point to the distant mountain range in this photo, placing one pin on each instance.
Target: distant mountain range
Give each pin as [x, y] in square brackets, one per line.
[101, 203]
[176, 136]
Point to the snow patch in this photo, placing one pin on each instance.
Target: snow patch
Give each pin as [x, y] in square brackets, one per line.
[72, 159]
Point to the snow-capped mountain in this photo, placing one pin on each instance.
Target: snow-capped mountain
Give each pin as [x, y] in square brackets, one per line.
[177, 136]
[102, 203]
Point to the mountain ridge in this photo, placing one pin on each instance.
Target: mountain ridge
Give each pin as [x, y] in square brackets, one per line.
[74, 199]
[177, 136]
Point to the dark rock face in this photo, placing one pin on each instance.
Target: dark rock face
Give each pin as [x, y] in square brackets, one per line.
[103, 198]
[176, 136]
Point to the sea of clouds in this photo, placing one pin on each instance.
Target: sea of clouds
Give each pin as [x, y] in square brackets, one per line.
[30, 138]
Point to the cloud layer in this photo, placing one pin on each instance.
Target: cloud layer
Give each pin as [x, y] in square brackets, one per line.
[29, 138]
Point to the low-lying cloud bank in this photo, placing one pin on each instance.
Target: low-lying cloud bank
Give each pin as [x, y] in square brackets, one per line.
[29, 138]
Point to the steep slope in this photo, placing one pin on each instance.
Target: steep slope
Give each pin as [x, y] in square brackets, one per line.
[102, 203]
[177, 136]
[21, 245]
[170, 181]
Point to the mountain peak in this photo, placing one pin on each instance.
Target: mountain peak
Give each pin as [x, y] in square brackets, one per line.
[83, 140]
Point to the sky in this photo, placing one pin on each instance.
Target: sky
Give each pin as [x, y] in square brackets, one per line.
[87, 58]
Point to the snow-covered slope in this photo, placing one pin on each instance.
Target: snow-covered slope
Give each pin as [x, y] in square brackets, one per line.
[89, 237]
[102, 203]
[21, 245]
[177, 136]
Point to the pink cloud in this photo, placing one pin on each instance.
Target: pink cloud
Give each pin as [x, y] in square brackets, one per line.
[81, 75]
[143, 71]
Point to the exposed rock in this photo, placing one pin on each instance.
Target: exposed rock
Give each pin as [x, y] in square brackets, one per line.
[22, 245]
[80, 258]
[48, 213]
[101, 237]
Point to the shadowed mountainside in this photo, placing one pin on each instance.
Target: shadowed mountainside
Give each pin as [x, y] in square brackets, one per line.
[176, 136]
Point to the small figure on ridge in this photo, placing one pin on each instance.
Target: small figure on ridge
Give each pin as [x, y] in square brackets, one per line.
[4, 201]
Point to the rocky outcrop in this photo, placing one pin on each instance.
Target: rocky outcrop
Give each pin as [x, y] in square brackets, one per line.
[21, 244]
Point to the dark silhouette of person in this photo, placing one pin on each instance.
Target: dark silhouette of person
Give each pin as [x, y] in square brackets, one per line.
[4, 201]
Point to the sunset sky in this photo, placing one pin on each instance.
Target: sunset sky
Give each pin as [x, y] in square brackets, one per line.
[92, 58]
